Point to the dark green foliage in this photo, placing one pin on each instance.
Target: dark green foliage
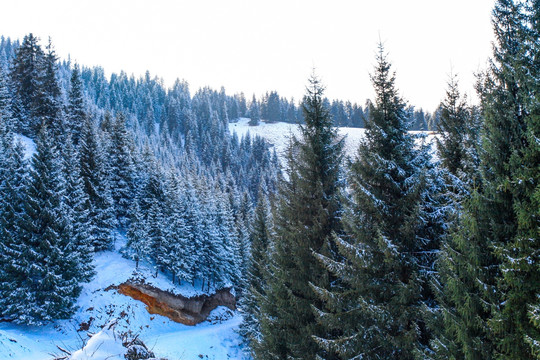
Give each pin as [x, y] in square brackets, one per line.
[380, 307]
[511, 174]
[458, 134]
[307, 217]
[489, 271]
[257, 274]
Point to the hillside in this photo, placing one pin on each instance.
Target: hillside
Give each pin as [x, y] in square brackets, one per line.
[278, 134]
[97, 306]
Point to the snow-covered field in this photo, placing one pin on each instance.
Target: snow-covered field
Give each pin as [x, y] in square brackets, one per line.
[98, 306]
[278, 134]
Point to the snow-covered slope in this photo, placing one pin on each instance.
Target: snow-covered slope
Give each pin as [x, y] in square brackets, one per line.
[278, 134]
[99, 304]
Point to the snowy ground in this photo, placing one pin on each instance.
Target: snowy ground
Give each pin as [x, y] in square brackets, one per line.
[278, 134]
[98, 306]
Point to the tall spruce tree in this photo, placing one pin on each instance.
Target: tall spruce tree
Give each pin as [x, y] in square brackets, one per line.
[26, 83]
[49, 108]
[511, 172]
[459, 130]
[458, 147]
[76, 111]
[122, 169]
[6, 115]
[377, 309]
[49, 256]
[80, 227]
[530, 208]
[13, 182]
[99, 202]
[307, 217]
[260, 233]
[492, 280]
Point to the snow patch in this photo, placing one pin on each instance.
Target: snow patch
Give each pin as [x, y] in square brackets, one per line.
[99, 304]
[278, 134]
[28, 144]
[106, 344]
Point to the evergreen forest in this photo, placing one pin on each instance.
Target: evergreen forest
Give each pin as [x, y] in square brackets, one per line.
[410, 249]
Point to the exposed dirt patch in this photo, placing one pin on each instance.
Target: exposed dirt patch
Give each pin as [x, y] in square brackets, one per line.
[188, 311]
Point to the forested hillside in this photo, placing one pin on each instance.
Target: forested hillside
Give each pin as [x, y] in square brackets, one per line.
[119, 155]
[407, 249]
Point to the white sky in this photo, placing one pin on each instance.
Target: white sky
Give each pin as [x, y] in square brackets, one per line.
[256, 46]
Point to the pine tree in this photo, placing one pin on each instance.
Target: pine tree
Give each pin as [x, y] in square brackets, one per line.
[26, 76]
[49, 108]
[255, 293]
[181, 249]
[6, 115]
[377, 309]
[159, 243]
[96, 186]
[458, 133]
[491, 280]
[254, 112]
[76, 110]
[511, 173]
[458, 150]
[307, 217]
[122, 170]
[13, 182]
[50, 261]
[138, 244]
[80, 226]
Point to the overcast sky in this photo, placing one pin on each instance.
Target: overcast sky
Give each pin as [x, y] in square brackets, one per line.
[255, 46]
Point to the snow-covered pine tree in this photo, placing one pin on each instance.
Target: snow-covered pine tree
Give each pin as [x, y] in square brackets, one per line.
[376, 309]
[227, 254]
[209, 259]
[181, 255]
[13, 182]
[491, 278]
[254, 112]
[122, 169]
[308, 216]
[138, 244]
[80, 226]
[192, 215]
[49, 108]
[458, 148]
[76, 109]
[100, 204]
[6, 114]
[257, 272]
[159, 244]
[26, 75]
[50, 262]
[244, 217]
